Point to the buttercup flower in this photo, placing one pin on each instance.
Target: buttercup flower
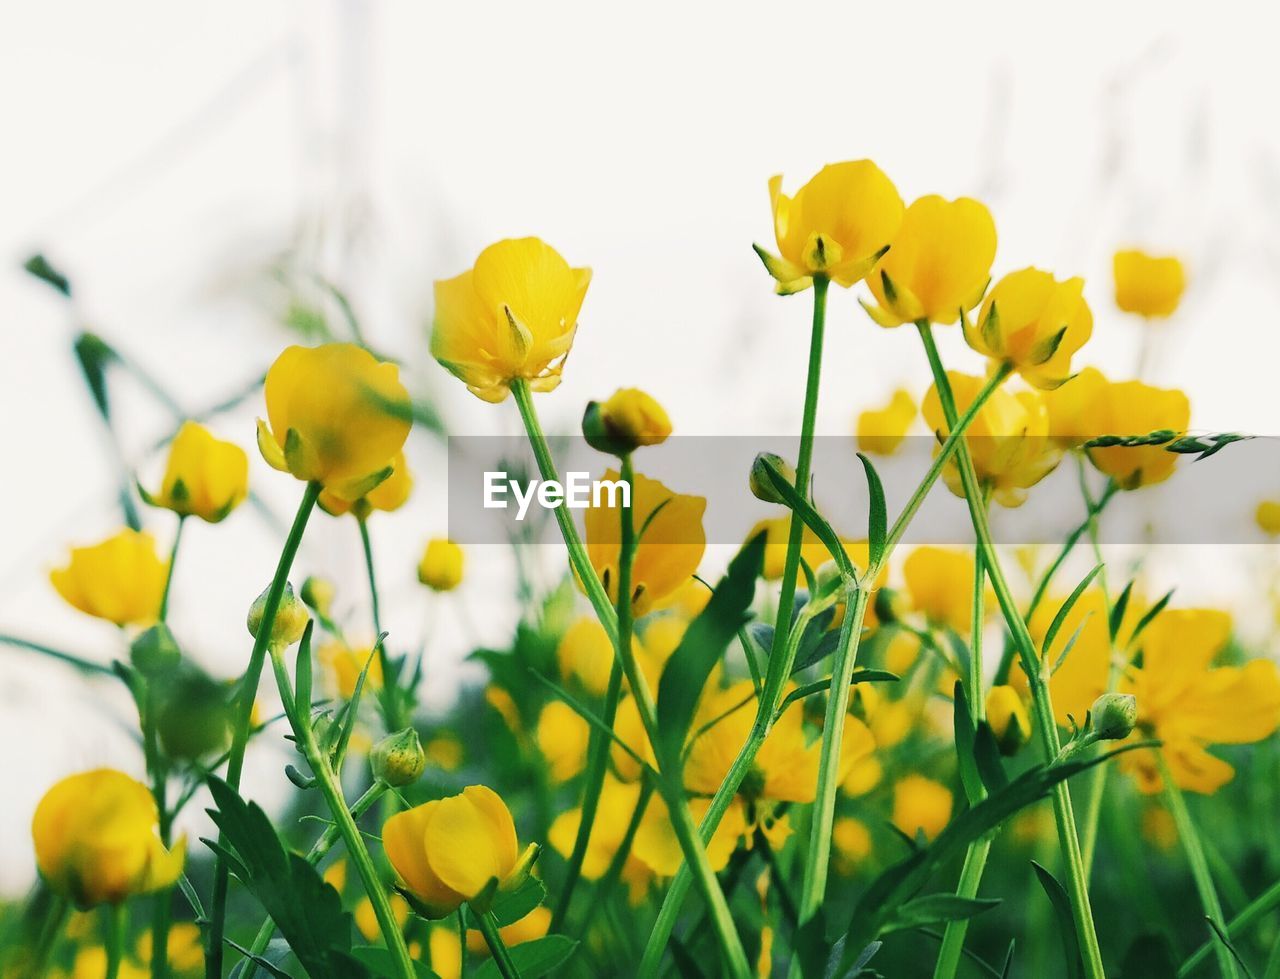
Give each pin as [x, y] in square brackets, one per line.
[512, 316]
[586, 653]
[850, 844]
[121, 579]
[335, 415]
[204, 477]
[97, 841]
[1072, 408]
[668, 551]
[451, 850]
[344, 664]
[935, 578]
[390, 494]
[939, 263]
[860, 770]
[1147, 285]
[657, 847]
[562, 738]
[880, 431]
[441, 566]
[618, 800]
[1034, 322]
[1190, 704]
[1008, 441]
[628, 420]
[836, 225]
[921, 805]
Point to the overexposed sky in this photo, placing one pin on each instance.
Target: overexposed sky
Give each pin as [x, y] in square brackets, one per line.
[164, 154]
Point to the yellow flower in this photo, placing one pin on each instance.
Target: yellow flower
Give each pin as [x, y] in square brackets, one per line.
[1267, 517]
[91, 963]
[441, 566]
[1034, 322]
[836, 225]
[186, 951]
[1082, 677]
[630, 730]
[1008, 718]
[687, 601]
[1082, 411]
[881, 431]
[850, 844]
[938, 263]
[205, 477]
[562, 738]
[921, 805]
[367, 919]
[661, 639]
[444, 751]
[859, 770]
[445, 951]
[121, 579]
[1158, 827]
[902, 651]
[939, 582]
[618, 800]
[448, 851]
[501, 701]
[390, 494]
[336, 875]
[344, 664]
[530, 928]
[668, 551]
[335, 415]
[1008, 441]
[96, 839]
[1149, 286]
[628, 420]
[512, 316]
[1189, 704]
[657, 847]
[586, 653]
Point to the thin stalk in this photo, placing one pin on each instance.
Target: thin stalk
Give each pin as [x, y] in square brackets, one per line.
[114, 939]
[71, 659]
[244, 717]
[1191, 846]
[389, 695]
[1259, 906]
[1045, 724]
[497, 947]
[173, 560]
[975, 857]
[462, 943]
[50, 929]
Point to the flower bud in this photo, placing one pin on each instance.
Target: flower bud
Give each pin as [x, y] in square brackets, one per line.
[625, 422]
[155, 651]
[398, 759]
[290, 621]
[1008, 719]
[318, 593]
[1114, 715]
[441, 566]
[193, 717]
[761, 482]
[890, 606]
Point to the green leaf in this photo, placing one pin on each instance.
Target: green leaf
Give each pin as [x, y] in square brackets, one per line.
[1118, 610]
[704, 642]
[1149, 616]
[932, 909]
[1065, 610]
[813, 520]
[307, 911]
[260, 961]
[510, 907]
[42, 269]
[965, 754]
[380, 962]
[302, 672]
[1066, 923]
[95, 356]
[541, 957]
[986, 750]
[877, 513]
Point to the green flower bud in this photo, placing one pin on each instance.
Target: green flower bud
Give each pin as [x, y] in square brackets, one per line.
[155, 652]
[761, 482]
[290, 621]
[194, 715]
[889, 606]
[318, 594]
[1113, 716]
[398, 759]
[625, 422]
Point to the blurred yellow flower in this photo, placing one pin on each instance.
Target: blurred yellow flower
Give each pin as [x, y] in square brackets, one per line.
[447, 851]
[390, 494]
[562, 737]
[1034, 322]
[1008, 440]
[121, 579]
[367, 919]
[618, 801]
[687, 600]
[881, 430]
[1147, 285]
[836, 225]
[921, 805]
[1189, 704]
[669, 548]
[1159, 827]
[501, 701]
[585, 653]
[441, 566]
[445, 951]
[935, 580]
[657, 847]
[185, 947]
[531, 927]
[344, 663]
[859, 770]
[902, 651]
[97, 841]
[335, 415]
[1008, 718]
[91, 963]
[511, 316]
[335, 875]
[630, 730]
[204, 477]
[939, 263]
[850, 844]
[444, 751]
[1267, 516]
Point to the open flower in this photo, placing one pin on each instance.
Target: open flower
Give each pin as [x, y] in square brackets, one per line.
[457, 849]
[1034, 322]
[121, 579]
[1008, 441]
[1148, 285]
[1189, 704]
[881, 430]
[335, 415]
[618, 801]
[97, 841]
[512, 316]
[205, 477]
[390, 494]
[836, 225]
[670, 545]
[938, 264]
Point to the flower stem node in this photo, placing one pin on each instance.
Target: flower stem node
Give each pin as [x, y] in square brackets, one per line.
[318, 594]
[1113, 716]
[155, 652]
[763, 471]
[290, 620]
[398, 759]
[625, 422]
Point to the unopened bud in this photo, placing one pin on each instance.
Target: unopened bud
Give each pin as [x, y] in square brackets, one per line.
[318, 594]
[761, 479]
[155, 652]
[625, 422]
[290, 621]
[1113, 716]
[398, 759]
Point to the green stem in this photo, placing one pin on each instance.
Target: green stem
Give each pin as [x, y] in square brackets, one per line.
[1045, 725]
[79, 662]
[173, 560]
[47, 939]
[497, 947]
[1190, 838]
[1259, 906]
[244, 717]
[389, 694]
[613, 873]
[114, 939]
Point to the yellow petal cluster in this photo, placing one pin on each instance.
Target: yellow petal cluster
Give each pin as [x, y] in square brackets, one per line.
[204, 477]
[880, 431]
[1148, 285]
[122, 579]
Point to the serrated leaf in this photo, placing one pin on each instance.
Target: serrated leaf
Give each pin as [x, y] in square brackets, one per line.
[933, 909]
[540, 957]
[1066, 923]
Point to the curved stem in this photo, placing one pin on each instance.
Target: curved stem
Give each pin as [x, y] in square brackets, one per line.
[497, 947]
[244, 716]
[1045, 724]
[389, 694]
[173, 560]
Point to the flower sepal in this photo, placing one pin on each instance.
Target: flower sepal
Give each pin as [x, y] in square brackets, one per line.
[790, 277]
